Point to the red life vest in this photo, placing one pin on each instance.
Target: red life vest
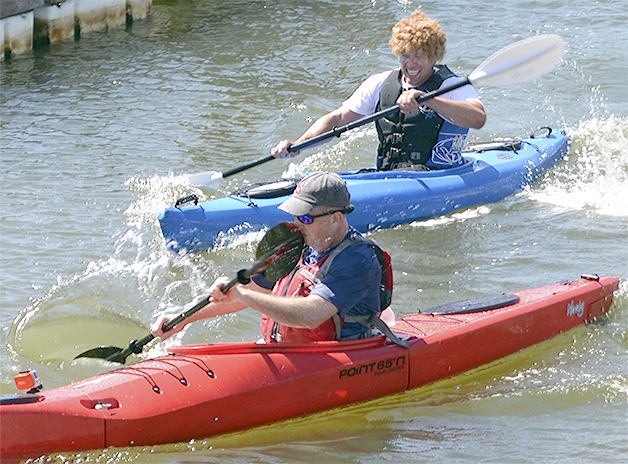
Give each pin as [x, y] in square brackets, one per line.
[298, 283]
[301, 280]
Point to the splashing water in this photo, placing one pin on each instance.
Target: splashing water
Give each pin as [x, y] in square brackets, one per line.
[154, 194]
[595, 176]
[84, 312]
[354, 150]
[458, 217]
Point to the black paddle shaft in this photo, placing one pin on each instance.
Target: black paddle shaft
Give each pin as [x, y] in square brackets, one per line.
[244, 167]
[338, 131]
[278, 252]
[136, 346]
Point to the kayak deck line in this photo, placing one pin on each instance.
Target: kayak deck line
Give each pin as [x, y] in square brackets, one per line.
[382, 199]
[190, 393]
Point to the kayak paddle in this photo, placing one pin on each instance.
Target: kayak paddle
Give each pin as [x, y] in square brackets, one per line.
[519, 62]
[277, 254]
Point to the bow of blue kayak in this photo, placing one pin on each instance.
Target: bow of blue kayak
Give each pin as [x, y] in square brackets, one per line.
[382, 199]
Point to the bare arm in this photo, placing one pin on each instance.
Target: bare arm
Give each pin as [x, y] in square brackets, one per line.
[339, 117]
[213, 309]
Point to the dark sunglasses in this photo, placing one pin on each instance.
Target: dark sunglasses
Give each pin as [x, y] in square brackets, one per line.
[308, 219]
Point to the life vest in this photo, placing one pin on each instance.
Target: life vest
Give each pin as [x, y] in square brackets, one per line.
[425, 138]
[301, 280]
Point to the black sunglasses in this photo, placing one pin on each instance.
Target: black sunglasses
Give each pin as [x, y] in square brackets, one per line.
[308, 219]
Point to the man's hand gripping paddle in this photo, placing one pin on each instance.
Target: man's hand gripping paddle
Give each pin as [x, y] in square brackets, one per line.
[276, 255]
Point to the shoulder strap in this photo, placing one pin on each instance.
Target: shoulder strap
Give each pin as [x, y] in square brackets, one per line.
[324, 269]
[372, 320]
[437, 78]
[389, 92]
[352, 239]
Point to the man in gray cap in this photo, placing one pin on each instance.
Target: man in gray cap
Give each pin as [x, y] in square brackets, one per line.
[319, 195]
[331, 292]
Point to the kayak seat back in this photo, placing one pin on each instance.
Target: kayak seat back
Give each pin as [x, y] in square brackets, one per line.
[274, 189]
[512, 144]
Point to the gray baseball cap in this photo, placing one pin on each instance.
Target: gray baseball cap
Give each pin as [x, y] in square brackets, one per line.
[318, 189]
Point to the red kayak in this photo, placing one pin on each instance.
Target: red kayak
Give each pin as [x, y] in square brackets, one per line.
[202, 390]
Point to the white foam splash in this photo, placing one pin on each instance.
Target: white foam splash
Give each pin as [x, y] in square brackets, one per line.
[595, 174]
[154, 194]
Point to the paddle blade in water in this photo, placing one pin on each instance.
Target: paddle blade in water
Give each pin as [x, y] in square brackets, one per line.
[102, 352]
[519, 62]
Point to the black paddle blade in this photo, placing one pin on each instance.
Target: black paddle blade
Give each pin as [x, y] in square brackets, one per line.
[108, 353]
[280, 248]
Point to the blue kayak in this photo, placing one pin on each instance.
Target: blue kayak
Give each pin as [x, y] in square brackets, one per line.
[382, 199]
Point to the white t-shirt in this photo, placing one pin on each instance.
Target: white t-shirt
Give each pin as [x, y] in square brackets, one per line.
[364, 99]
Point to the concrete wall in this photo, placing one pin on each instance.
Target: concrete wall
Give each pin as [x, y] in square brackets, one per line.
[18, 33]
[28, 23]
[15, 7]
[54, 23]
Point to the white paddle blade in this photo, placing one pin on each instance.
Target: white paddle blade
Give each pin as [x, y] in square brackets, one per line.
[202, 179]
[519, 62]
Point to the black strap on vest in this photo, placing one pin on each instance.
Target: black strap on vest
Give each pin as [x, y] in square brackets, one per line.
[373, 320]
[402, 139]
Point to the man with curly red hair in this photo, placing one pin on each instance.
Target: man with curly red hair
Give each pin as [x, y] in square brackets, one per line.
[427, 136]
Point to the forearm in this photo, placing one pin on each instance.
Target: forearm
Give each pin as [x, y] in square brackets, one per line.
[321, 125]
[219, 308]
[336, 118]
[463, 114]
[215, 309]
[308, 312]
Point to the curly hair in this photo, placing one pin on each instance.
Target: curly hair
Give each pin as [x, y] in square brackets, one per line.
[418, 33]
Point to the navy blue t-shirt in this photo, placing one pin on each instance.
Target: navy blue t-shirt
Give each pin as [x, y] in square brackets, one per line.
[351, 284]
